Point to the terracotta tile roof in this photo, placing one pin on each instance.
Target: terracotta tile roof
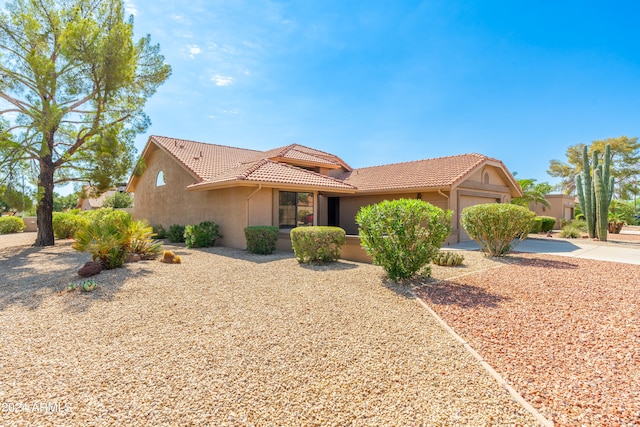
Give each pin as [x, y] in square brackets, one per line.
[268, 171]
[218, 164]
[430, 173]
[206, 161]
[306, 154]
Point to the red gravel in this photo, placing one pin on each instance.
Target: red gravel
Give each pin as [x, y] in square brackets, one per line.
[564, 332]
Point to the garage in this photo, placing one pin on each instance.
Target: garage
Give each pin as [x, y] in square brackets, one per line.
[471, 200]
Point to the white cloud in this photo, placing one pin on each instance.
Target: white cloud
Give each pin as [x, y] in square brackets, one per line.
[130, 8]
[193, 50]
[221, 80]
[178, 18]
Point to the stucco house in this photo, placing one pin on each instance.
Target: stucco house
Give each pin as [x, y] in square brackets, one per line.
[561, 207]
[186, 182]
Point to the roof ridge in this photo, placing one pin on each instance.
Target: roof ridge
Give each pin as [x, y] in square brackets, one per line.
[423, 160]
[205, 143]
[262, 162]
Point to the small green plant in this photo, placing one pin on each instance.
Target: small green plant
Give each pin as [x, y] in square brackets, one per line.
[159, 231]
[176, 233]
[403, 235]
[202, 235]
[11, 224]
[317, 244]
[497, 227]
[66, 224]
[448, 259]
[85, 286]
[261, 239]
[616, 222]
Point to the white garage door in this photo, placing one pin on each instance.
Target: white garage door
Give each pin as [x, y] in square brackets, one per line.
[466, 201]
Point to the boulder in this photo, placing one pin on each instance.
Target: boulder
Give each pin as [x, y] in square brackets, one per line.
[90, 269]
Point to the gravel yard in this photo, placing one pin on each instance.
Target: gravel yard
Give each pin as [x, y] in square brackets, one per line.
[564, 332]
[229, 338]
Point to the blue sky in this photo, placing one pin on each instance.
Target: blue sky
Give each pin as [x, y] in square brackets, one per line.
[379, 82]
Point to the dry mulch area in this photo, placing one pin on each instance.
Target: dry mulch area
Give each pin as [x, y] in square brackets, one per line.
[564, 332]
[229, 339]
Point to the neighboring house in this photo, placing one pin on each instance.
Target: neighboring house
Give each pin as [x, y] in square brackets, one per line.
[96, 202]
[187, 182]
[92, 203]
[560, 207]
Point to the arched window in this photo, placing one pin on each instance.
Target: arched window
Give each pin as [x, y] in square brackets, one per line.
[160, 179]
[485, 178]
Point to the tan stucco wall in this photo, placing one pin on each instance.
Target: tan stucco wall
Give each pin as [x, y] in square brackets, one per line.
[562, 207]
[173, 204]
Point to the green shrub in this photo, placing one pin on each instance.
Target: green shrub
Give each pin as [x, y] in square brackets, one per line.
[202, 235]
[546, 223]
[317, 244]
[176, 233]
[107, 239]
[66, 224]
[142, 242]
[571, 231]
[159, 231]
[537, 225]
[497, 227]
[261, 239]
[105, 215]
[402, 236]
[11, 224]
[118, 200]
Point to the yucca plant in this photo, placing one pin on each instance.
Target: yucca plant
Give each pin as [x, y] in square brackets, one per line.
[142, 242]
[108, 241]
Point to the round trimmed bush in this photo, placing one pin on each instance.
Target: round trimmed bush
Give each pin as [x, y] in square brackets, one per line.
[402, 236]
[317, 244]
[11, 224]
[497, 227]
[261, 239]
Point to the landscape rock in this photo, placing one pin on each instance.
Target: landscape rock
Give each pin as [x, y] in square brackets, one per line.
[90, 269]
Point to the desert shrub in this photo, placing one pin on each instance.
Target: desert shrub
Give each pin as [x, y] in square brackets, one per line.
[546, 223]
[65, 225]
[497, 227]
[107, 238]
[536, 226]
[202, 235]
[105, 215]
[261, 239]
[448, 259]
[317, 244]
[176, 233]
[159, 231]
[402, 236]
[571, 231]
[142, 242]
[11, 224]
[118, 200]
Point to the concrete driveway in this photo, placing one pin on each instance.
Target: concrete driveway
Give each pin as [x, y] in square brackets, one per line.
[616, 252]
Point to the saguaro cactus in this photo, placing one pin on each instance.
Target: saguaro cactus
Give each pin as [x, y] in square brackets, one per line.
[595, 193]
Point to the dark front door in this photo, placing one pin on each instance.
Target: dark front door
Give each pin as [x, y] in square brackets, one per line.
[334, 211]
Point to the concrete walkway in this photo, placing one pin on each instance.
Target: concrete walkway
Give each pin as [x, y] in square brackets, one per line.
[616, 252]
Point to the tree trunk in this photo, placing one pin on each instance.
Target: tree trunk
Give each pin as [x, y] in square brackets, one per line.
[44, 211]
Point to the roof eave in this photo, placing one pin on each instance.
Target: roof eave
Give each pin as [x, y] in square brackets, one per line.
[205, 186]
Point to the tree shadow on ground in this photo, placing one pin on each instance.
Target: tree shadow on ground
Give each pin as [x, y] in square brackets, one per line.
[29, 276]
[454, 293]
[540, 261]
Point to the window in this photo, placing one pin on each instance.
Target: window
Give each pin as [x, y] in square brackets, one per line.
[160, 179]
[295, 209]
[485, 178]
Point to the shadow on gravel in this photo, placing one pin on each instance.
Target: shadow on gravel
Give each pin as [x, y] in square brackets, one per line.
[29, 276]
[454, 293]
[541, 262]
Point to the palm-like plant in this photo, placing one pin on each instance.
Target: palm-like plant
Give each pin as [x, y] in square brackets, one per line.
[142, 242]
[107, 241]
[532, 193]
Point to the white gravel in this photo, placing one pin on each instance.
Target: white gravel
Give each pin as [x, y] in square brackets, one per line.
[229, 338]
